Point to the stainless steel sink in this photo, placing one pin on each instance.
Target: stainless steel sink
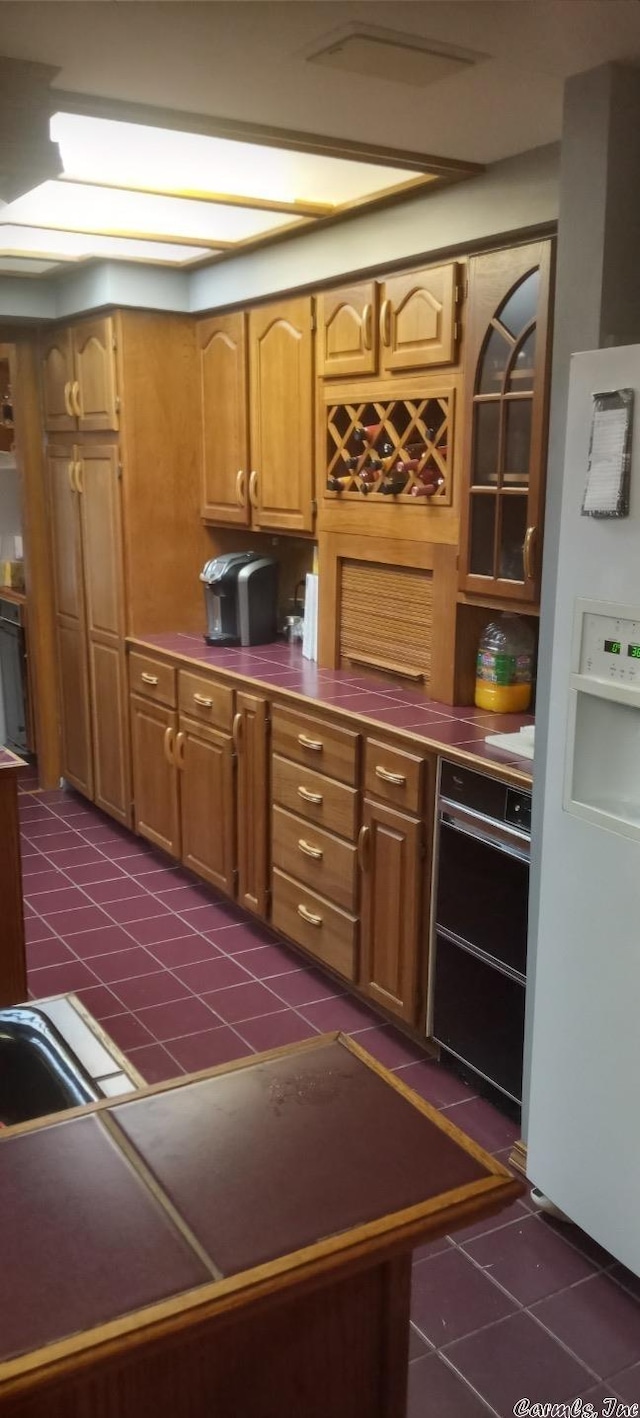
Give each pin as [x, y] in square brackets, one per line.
[39, 1074]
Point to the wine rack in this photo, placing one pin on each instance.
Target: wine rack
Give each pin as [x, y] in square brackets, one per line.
[397, 450]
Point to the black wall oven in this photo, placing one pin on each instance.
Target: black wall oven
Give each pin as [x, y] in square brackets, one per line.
[479, 935]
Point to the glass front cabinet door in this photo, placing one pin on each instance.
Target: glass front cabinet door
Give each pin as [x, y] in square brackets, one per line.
[506, 379]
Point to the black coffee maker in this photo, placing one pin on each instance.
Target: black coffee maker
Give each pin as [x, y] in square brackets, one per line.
[241, 598]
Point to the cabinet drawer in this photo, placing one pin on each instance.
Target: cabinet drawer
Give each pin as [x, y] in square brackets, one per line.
[315, 857]
[393, 775]
[153, 678]
[326, 932]
[318, 799]
[325, 747]
[204, 700]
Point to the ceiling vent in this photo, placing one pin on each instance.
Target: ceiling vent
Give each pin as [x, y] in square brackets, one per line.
[378, 53]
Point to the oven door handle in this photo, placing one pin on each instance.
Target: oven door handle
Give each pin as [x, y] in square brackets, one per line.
[502, 839]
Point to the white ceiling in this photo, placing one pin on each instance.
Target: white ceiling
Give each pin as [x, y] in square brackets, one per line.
[245, 59]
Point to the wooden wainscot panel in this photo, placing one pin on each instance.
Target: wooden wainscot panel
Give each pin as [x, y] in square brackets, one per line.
[322, 861]
[316, 743]
[329, 934]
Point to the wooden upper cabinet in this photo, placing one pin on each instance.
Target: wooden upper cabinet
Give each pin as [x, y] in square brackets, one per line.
[222, 355]
[79, 378]
[506, 381]
[57, 381]
[94, 395]
[418, 319]
[348, 331]
[281, 415]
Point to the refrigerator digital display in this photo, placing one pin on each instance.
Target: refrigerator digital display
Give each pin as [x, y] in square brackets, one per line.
[613, 647]
[634, 651]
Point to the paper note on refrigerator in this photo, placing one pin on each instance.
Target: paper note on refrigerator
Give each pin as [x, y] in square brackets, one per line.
[607, 490]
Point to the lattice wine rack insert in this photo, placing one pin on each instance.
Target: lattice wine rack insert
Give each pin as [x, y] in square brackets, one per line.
[399, 449]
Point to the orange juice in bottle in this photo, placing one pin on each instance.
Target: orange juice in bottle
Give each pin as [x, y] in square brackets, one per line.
[504, 667]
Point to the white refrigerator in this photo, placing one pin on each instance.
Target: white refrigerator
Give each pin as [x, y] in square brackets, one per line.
[583, 1135]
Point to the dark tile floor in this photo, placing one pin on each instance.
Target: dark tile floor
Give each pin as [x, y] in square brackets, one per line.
[515, 1307]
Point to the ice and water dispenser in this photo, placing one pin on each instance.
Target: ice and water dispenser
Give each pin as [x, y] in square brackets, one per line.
[602, 778]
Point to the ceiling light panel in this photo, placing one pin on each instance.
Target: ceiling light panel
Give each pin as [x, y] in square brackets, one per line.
[144, 157]
[110, 210]
[72, 246]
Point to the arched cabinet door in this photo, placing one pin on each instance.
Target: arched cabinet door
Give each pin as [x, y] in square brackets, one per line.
[94, 394]
[506, 390]
[224, 424]
[417, 319]
[281, 415]
[348, 331]
[57, 381]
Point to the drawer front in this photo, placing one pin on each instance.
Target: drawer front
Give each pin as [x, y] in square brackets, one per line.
[330, 935]
[393, 775]
[153, 678]
[317, 858]
[322, 746]
[313, 796]
[204, 700]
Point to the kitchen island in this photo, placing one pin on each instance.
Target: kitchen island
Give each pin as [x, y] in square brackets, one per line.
[234, 1242]
[13, 965]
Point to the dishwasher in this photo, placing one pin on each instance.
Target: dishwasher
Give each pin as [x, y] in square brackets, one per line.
[479, 926]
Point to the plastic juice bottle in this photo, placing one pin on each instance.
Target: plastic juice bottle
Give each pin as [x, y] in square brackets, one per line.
[504, 668]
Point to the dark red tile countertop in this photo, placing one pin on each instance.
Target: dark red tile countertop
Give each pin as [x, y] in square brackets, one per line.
[132, 1204]
[281, 666]
[9, 759]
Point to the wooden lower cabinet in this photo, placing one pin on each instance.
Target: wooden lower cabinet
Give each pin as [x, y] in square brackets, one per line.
[75, 713]
[392, 861]
[250, 727]
[207, 805]
[155, 774]
[111, 756]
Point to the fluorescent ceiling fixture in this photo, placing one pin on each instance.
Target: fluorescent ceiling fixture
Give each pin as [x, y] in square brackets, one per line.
[114, 212]
[135, 155]
[71, 246]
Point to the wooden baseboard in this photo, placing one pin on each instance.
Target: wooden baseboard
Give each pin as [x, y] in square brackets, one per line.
[518, 1157]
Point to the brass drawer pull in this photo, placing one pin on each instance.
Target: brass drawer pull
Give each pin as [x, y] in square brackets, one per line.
[309, 916]
[181, 740]
[203, 701]
[363, 847]
[385, 323]
[75, 399]
[309, 797]
[148, 679]
[309, 850]
[398, 779]
[528, 552]
[167, 745]
[315, 744]
[241, 488]
[67, 399]
[367, 326]
[236, 732]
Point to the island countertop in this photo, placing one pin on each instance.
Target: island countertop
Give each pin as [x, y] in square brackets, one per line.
[195, 1201]
[458, 732]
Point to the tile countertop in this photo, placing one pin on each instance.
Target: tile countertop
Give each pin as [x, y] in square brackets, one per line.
[457, 732]
[9, 759]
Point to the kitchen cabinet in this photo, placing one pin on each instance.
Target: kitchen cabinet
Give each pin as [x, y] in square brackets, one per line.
[155, 773]
[79, 378]
[395, 873]
[224, 417]
[84, 490]
[506, 379]
[205, 759]
[256, 413]
[200, 776]
[281, 490]
[348, 331]
[406, 322]
[250, 729]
